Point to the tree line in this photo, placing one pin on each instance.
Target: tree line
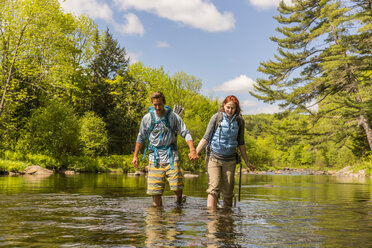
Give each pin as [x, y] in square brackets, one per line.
[71, 99]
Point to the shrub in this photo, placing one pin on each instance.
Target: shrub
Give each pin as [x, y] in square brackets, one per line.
[93, 135]
[13, 156]
[123, 162]
[43, 161]
[52, 130]
[13, 166]
[82, 164]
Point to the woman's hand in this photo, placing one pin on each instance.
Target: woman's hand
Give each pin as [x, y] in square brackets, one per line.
[250, 166]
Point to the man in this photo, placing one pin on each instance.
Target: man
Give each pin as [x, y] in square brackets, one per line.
[160, 127]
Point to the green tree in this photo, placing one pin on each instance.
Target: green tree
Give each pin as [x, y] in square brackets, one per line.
[109, 61]
[33, 39]
[131, 101]
[43, 55]
[53, 131]
[93, 135]
[318, 64]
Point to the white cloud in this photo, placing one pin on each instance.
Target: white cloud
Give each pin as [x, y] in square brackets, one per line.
[237, 85]
[194, 13]
[266, 4]
[96, 10]
[133, 57]
[247, 104]
[90, 7]
[162, 44]
[132, 26]
[262, 109]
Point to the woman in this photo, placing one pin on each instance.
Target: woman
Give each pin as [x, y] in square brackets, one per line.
[225, 132]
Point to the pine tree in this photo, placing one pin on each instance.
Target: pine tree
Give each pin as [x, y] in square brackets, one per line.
[323, 60]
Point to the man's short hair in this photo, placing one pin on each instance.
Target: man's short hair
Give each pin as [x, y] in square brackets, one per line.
[158, 95]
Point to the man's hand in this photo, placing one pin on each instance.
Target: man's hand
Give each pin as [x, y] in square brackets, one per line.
[135, 161]
[193, 155]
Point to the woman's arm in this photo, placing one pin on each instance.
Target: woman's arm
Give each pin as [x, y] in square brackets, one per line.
[243, 151]
[208, 134]
[201, 145]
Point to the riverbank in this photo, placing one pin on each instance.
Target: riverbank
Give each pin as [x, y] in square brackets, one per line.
[347, 171]
[16, 163]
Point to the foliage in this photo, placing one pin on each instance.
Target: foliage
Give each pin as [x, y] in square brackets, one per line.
[69, 98]
[82, 164]
[52, 130]
[130, 98]
[93, 135]
[320, 63]
[13, 156]
[122, 162]
[43, 161]
[13, 166]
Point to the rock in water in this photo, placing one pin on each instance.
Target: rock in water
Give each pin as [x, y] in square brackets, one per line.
[188, 175]
[37, 170]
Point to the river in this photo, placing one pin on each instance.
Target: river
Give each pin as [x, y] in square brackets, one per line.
[112, 210]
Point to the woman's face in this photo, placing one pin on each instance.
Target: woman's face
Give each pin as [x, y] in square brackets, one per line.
[230, 108]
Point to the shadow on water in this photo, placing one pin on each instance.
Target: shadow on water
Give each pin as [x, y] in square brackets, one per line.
[112, 210]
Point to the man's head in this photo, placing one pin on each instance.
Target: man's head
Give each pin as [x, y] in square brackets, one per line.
[158, 102]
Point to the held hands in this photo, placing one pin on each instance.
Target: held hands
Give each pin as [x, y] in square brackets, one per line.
[193, 156]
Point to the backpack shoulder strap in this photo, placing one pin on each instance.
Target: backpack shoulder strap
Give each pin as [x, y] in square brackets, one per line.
[168, 111]
[151, 110]
[217, 124]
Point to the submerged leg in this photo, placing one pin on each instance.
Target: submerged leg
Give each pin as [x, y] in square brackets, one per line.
[179, 196]
[227, 202]
[212, 201]
[157, 201]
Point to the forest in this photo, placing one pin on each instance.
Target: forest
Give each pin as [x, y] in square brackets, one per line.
[71, 100]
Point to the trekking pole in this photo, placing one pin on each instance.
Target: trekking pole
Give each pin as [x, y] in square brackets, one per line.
[240, 175]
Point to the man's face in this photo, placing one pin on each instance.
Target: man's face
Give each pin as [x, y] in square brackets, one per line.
[158, 106]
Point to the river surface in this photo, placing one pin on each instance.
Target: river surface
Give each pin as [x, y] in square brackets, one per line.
[112, 210]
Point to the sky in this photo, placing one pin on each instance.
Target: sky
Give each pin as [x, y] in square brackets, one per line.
[220, 42]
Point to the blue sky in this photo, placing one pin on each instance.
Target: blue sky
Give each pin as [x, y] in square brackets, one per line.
[218, 41]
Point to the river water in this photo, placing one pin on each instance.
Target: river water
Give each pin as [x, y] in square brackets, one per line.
[112, 210]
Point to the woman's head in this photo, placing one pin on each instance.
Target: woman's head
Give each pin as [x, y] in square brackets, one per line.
[231, 106]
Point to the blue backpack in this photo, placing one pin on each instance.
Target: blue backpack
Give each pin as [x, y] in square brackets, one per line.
[163, 121]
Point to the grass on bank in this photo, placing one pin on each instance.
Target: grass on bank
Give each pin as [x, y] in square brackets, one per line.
[12, 166]
[17, 162]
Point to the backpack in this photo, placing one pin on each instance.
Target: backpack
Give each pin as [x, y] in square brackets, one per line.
[163, 121]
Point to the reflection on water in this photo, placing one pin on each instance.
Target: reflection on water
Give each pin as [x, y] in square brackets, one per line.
[111, 210]
[221, 229]
[162, 227]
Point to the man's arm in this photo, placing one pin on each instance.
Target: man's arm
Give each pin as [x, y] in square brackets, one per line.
[192, 155]
[135, 154]
[141, 139]
[185, 133]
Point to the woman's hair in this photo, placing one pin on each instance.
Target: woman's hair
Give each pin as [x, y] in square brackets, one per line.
[158, 95]
[233, 99]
